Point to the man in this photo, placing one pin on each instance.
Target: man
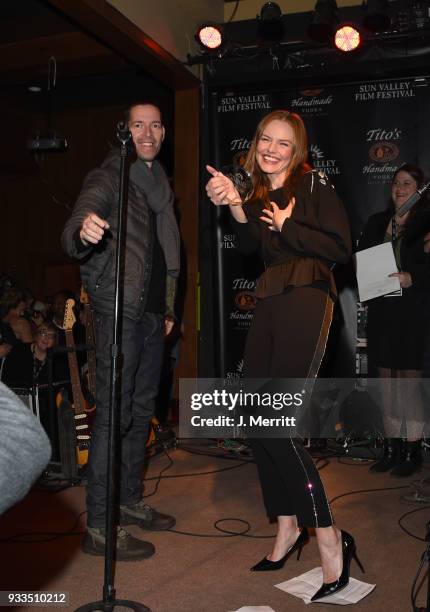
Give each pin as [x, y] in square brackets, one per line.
[151, 269]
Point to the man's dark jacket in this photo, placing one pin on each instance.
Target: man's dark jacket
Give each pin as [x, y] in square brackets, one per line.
[99, 195]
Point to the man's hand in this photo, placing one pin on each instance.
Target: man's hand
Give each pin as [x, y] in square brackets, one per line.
[220, 189]
[275, 218]
[93, 229]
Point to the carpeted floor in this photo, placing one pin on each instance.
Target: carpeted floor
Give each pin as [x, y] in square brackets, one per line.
[199, 569]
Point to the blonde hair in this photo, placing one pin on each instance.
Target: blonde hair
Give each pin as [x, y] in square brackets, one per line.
[297, 166]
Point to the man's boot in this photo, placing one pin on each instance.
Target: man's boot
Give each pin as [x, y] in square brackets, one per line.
[145, 517]
[410, 459]
[128, 548]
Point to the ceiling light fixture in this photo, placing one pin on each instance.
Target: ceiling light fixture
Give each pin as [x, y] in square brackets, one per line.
[376, 15]
[210, 36]
[270, 24]
[347, 38]
[324, 19]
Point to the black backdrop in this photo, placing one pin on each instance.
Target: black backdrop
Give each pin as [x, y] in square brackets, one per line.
[359, 134]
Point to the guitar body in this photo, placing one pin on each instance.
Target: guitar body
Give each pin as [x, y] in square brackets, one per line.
[62, 401]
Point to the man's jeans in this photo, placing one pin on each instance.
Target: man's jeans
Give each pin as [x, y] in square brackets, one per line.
[142, 349]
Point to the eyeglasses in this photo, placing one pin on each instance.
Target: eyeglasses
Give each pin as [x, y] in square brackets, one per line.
[45, 334]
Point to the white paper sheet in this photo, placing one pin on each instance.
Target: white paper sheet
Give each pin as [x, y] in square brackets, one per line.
[255, 609]
[373, 268]
[306, 585]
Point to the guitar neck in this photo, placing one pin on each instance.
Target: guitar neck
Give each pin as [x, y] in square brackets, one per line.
[78, 398]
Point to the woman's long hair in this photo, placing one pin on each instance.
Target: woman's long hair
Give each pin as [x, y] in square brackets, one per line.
[298, 164]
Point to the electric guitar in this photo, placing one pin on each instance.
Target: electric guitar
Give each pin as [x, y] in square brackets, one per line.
[81, 421]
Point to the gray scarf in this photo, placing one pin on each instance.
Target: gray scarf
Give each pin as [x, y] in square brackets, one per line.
[155, 185]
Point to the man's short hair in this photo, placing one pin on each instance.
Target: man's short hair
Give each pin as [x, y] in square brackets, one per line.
[144, 102]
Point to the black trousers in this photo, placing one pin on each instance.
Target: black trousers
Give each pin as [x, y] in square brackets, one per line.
[287, 340]
[142, 347]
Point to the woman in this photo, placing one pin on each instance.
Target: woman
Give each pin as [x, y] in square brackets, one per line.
[397, 324]
[25, 365]
[295, 220]
[12, 308]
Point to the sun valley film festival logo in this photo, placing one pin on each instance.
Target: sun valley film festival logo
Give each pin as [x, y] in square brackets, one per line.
[383, 153]
[384, 90]
[311, 102]
[234, 375]
[319, 161]
[244, 301]
[253, 102]
[228, 241]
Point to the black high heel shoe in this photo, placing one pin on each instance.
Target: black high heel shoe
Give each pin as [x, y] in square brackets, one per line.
[265, 565]
[348, 552]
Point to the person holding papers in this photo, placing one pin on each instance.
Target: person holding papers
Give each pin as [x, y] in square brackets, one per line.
[293, 218]
[397, 323]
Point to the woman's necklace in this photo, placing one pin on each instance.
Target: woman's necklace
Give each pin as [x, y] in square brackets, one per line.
[37, 364]
[393, 229]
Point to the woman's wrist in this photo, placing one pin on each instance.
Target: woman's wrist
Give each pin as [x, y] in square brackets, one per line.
[237, 212]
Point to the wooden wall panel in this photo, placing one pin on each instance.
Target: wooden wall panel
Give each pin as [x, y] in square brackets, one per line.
[37, 194]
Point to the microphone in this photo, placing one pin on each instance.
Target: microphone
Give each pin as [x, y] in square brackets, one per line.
[240, 178]
[122, 132]
[406, 207]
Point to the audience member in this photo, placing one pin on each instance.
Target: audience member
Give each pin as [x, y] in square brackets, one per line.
[7, 342]
[25, 365]
[12, 308]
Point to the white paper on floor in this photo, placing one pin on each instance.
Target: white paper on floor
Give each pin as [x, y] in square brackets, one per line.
[306, 585]
[255, 609]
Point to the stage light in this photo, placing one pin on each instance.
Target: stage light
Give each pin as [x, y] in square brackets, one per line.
[376, 18]
[324, 20]
[270, 26]
[210, 36]
[347, 38]
[420, 12]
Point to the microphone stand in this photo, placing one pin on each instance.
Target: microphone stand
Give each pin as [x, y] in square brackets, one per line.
[425, 558]
[109, 602]
[406, 207]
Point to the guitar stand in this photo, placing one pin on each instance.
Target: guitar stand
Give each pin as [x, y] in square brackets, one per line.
[109, 602]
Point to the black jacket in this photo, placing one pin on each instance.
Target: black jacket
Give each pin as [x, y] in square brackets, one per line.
[99, 194]
[318, 227]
